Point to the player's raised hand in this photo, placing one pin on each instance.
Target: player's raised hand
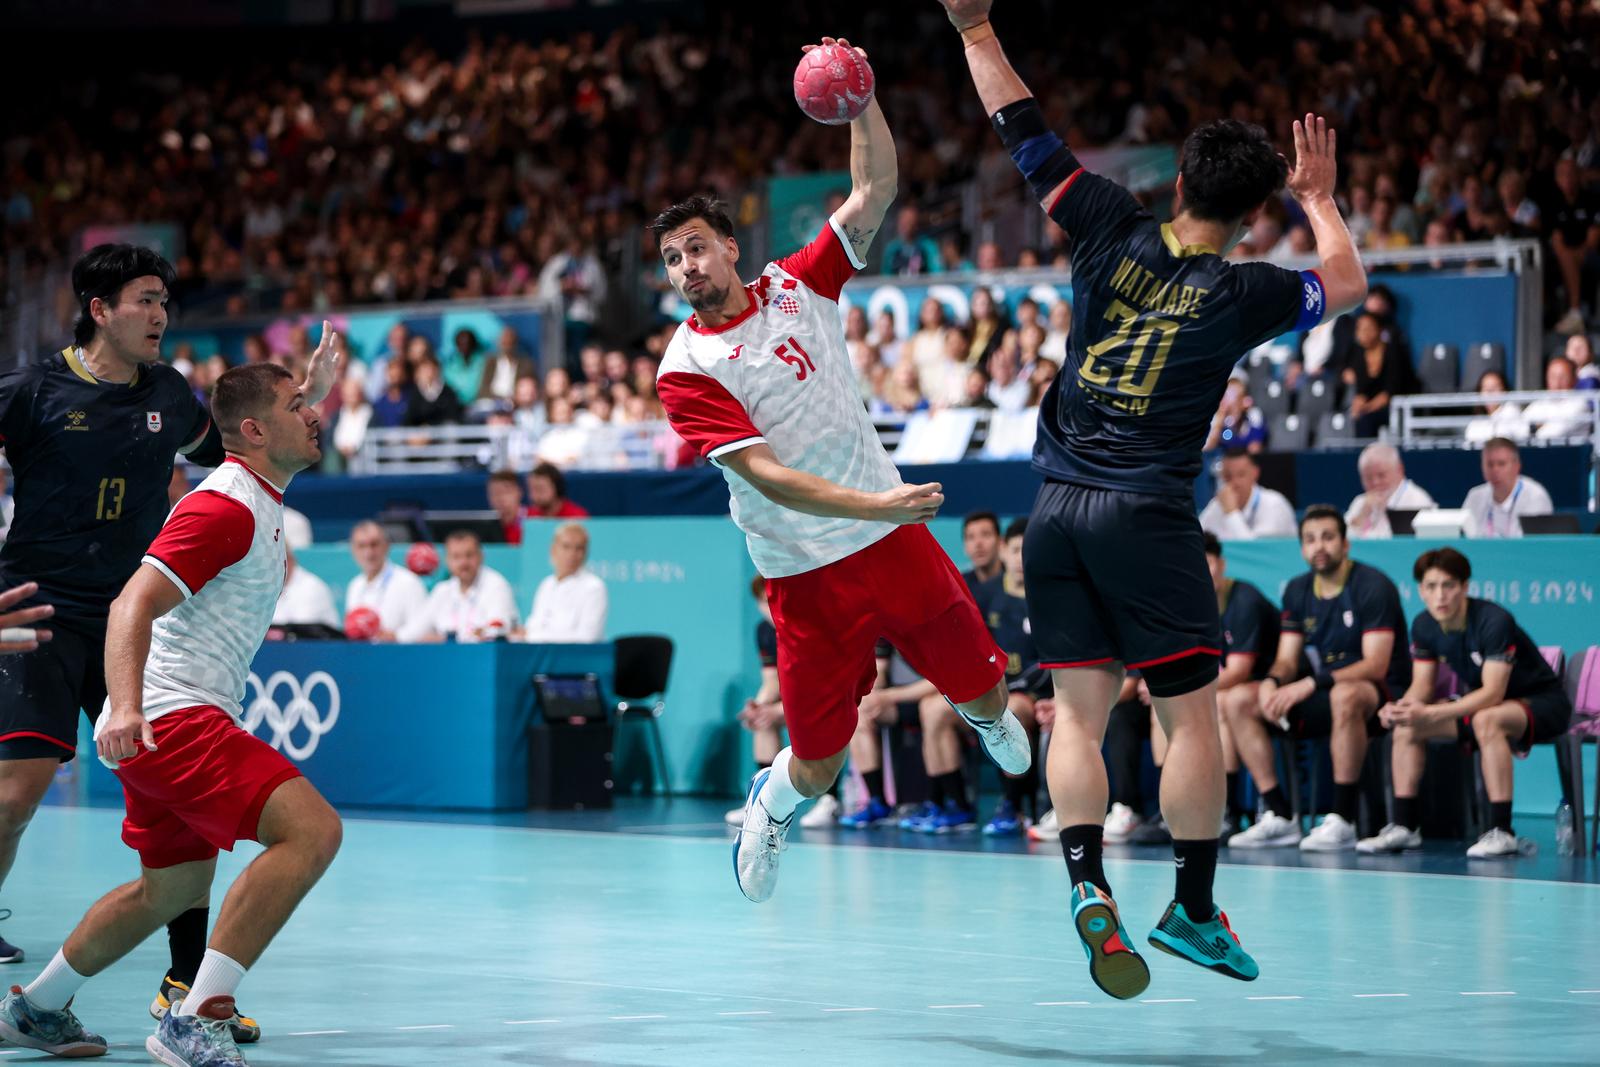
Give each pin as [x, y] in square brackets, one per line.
[964, 14]
[908, 505]
[13, 635]
[1314, 169]
[840, 41]
[324, 368]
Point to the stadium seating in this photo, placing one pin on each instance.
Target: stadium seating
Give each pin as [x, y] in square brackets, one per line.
[1481, 359]
[1439, 367]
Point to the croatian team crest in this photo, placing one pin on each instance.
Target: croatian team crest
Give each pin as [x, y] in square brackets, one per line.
[1349, 619]
[788, 305]
[152, 421]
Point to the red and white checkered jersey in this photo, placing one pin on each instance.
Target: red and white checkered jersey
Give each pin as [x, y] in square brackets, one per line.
[223, 547]
[780, 373]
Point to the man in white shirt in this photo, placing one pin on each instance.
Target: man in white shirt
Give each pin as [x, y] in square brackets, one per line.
[476, 602]
[306, 599]
[1242, 510]
[1562, 416]
[1386, 488]
[397, 595]
[1495, 508]
[570, 606]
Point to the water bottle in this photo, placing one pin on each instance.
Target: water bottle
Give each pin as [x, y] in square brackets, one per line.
[1564, 831]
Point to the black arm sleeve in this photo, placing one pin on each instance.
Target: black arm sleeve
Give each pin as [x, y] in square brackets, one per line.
[208, 453]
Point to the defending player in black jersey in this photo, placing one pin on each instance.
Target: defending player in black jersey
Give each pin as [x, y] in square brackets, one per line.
[1116, 576]
[1509, 699]
[91, 433]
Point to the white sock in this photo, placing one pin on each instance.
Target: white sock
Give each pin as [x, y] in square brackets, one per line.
[218, 976]
[56, 984]
[779, 796]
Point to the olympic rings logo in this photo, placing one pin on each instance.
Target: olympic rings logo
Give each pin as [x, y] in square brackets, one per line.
[299, 711]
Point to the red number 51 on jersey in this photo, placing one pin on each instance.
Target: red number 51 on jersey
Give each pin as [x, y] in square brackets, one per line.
[799, 359]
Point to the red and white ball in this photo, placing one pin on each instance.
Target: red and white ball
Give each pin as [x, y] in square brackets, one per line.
[362, 624]
[833, 84]
[422, 559]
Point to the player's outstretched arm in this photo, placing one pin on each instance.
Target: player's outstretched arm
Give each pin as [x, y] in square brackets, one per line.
[811, 495]
[323, 370]
[1038, 153]
[1344, 279]
[874, 172]
[148, 595]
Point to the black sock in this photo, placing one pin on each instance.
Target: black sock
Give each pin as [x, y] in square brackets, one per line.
[936, 789]
[1197, 870]
[874, 781]
[1017, 792]
[1346, 801]
[1501, 814]
[1406, 814]
[1081, 846]
[955, 788]
[1277, 803]
[1234, 808]
[186, 937]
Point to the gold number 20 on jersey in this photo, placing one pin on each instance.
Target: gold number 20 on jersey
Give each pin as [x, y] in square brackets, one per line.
[1133, 390]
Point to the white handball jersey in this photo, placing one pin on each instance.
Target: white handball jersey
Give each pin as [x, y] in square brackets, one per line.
[223, 547]
[780, 373]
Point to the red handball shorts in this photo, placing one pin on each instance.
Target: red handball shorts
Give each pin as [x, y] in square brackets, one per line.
[201, 790]
[903, 588]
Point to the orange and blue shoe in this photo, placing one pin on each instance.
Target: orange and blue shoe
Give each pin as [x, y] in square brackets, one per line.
[1211, 944]
[1116, 968]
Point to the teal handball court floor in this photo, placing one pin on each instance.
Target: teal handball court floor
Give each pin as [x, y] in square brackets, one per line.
[625, 941]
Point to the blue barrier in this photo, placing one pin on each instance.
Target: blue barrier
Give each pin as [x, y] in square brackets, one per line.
[413, 726]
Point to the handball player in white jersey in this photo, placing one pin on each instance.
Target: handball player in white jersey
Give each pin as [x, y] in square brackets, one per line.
[179, 643]
[759, 380]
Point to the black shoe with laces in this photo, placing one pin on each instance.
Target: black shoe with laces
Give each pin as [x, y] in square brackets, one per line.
[9, 953]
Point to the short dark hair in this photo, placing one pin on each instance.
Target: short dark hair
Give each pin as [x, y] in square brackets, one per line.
[1016, 528]
[1229, 168]
[463, 535]
[558, 481]
[981, 516]
[696, 207]
[1324, 511]
[103, 271]
[1503, 442]
[506, 476]
[1242, 453]
[1448, 560]
[1212, 544]
[246, 392]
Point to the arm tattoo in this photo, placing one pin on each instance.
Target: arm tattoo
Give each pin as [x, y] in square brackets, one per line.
[858, 236]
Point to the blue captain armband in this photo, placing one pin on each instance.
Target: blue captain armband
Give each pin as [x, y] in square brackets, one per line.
[1313, 301]
[1038, 153]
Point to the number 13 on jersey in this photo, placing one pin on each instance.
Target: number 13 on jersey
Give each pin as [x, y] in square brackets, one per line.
[1137, 380]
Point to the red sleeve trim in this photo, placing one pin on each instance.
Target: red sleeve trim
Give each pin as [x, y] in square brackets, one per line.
[704, 413]
[1075, 664]
[1378, 630]
[207, 533]
[1074, 176]
[825, 264]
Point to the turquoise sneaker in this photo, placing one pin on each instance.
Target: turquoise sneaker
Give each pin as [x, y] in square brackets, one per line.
[1211, 944]
[201, 1040]
[1116, 968]
[56, 1032]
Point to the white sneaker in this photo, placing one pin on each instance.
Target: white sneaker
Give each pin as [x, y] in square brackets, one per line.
[824, 813]
[1270, 830]
[1332, 834]
[757, 845]
[1004, 740]
[1391, 838]
[1497, 844]
[1046, 829]
[1121, 824]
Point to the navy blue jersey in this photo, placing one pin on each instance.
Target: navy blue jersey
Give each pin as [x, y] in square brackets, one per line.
[1249, 626]
[767, 643]
[982, 589]
[1006, 615]
[1156, 329]
[1334, 624]
[92, 461]
[1491, 635]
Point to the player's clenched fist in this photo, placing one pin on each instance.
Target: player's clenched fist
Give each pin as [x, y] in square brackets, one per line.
[120, 740]
[910, 504]
[965, 14]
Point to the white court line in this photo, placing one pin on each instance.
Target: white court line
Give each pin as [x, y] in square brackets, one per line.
[1377, 996]
[1583, 991]
[529, 1022]
[1274, 998]
[951, 1007]
[1061, 1003]
[1491, 993]
[726, 1013]
[634, 1018]
[1176, 1000]
[848, 1009]
[433, 1026]
[315, 1033]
